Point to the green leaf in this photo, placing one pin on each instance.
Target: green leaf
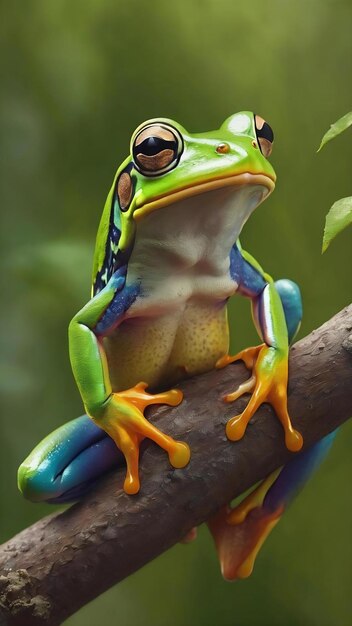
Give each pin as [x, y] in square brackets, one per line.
[335, 129]
[339, 216]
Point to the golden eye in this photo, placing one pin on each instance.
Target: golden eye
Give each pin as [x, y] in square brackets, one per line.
[265, 136]
[157, 149]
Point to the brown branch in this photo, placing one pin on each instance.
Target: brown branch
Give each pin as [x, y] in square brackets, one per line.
[62, 562]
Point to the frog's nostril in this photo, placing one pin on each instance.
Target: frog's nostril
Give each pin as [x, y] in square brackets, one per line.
[223, 148]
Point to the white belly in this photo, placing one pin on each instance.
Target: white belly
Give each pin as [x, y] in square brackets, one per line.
[182, 252]
[174, 296]
[181, 259]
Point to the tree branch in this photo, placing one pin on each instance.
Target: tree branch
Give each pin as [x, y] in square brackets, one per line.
[65, 560]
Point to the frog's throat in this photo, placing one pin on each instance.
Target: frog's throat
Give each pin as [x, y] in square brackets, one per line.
[236, 180]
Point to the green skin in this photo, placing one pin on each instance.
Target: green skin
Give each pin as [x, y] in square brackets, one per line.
[201, 163]
[179, 256]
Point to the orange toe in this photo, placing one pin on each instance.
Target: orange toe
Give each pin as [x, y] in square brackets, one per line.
[238, 545]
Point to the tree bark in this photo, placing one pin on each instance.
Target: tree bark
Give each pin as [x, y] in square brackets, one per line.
[53, 568]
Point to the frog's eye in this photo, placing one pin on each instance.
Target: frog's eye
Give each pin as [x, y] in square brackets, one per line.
[157, 149]
[265, 136]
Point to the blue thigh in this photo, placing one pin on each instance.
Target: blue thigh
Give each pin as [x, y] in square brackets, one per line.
[63, 466]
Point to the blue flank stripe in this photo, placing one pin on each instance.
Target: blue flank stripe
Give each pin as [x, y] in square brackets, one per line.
[250, 282]
[124, 297]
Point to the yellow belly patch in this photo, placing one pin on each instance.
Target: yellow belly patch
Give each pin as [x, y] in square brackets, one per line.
[163, 350]
[201, 338]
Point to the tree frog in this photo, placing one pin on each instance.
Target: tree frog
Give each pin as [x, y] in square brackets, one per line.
[167, 260]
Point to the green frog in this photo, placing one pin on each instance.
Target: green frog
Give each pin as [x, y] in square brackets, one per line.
[167, 260]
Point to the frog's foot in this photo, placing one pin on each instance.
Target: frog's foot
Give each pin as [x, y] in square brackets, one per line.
[248, 356]
[269, 384]
[239, 533]
[124, 421]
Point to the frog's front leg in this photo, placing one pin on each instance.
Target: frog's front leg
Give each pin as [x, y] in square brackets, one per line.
[271, 305]
[240, 532]
[120, 414]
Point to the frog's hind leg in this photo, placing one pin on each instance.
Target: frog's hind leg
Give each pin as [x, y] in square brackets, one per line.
[239, 533]
[66, 464]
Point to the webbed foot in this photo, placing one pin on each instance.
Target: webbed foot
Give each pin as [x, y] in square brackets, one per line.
[123, 419]
[268, 383]
[239, 533]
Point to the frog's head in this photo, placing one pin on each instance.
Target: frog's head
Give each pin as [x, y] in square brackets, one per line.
[167, 165]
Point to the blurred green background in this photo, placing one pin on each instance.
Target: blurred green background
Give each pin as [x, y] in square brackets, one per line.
[77, 78]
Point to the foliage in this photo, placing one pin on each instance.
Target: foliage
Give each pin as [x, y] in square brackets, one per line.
[340, 214]
[77, 79]
[336, 129]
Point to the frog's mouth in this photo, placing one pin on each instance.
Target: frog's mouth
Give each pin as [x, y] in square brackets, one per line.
[265, 181]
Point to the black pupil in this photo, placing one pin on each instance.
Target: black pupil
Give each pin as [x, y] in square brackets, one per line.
[154, 145]
[266, 132]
